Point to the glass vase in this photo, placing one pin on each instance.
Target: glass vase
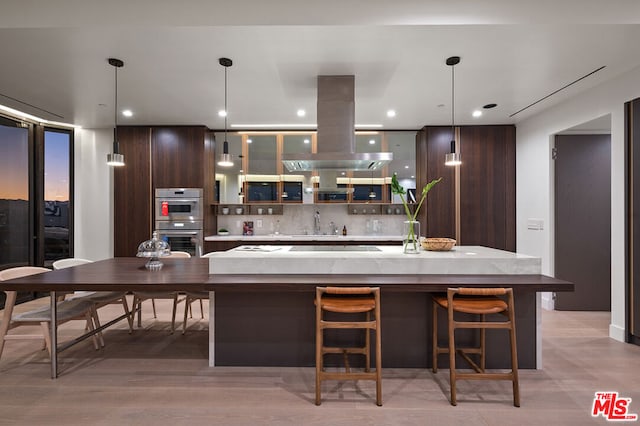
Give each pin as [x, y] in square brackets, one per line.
[411, 233]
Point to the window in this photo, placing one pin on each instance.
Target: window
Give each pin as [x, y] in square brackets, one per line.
[35, 194]
[15, 225]
[56, 214]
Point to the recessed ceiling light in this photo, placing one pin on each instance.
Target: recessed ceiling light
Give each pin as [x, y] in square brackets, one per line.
[412, 177]
[489, 106]
[222, 113]
[307, 141]
[391, 113]
[127, 113]
[372, 141]
[477, 113]
[406, 167]
[301, 113]
[249, 141]
[343, 173]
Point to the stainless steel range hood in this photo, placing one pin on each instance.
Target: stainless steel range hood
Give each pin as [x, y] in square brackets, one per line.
[336, 137]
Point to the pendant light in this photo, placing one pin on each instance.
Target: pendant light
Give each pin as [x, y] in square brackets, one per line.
[372, 193]
[115, 159]
[243, 180]
[453, 157]
[225, 157]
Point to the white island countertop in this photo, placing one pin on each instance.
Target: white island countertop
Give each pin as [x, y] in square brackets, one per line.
[374, 260]
[303, 237]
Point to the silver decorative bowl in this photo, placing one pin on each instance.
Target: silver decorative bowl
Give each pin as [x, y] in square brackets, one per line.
[154, 249]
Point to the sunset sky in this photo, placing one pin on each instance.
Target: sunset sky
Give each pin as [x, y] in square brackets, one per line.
[14, 164]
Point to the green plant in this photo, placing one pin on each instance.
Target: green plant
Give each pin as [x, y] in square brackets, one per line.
[223, 230]
[397, 189]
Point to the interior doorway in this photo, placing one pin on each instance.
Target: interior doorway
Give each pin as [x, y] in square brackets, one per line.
[583, 216]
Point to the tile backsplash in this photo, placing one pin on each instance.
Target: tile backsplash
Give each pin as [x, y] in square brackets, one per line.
[299, 219]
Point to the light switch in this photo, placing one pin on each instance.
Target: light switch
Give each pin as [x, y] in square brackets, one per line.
[535, 224]
[259, 223]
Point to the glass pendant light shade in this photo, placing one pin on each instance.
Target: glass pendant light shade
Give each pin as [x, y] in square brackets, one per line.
[452, 158]
[115, 159]
[225, 158]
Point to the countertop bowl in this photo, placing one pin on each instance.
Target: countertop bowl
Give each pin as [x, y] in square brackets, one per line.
[438, 244]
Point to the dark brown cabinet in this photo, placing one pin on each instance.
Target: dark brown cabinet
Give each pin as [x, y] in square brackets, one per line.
[158, 157]
[475, 202]
[132, 198]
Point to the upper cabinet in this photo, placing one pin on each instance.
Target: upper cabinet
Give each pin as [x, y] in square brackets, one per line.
[258, 175]
[177, 156]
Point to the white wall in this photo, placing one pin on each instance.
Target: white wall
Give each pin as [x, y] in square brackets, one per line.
[534, 177]
[93, 194]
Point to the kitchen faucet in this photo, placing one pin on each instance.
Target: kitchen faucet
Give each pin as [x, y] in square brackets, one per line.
[316, 223]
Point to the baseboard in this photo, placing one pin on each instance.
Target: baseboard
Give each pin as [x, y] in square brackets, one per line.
[548, 302]
[617, 333]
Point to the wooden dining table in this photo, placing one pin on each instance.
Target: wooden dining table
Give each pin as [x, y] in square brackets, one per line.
[117, 274]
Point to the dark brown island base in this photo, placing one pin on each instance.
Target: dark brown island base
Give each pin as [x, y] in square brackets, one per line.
[263, 312]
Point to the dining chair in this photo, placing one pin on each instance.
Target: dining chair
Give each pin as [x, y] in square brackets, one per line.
[141, 296]
[67, 310]
[192, 296]
[98, 298]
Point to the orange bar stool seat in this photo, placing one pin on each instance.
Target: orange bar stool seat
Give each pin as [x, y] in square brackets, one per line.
[483, 302]
[347, 301]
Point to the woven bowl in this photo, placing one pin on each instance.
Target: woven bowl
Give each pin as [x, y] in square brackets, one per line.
[438, 244]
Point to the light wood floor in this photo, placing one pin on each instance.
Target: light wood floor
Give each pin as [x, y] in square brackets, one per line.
[154, 378]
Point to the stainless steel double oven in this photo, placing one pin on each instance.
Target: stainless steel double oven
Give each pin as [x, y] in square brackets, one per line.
[179, 218]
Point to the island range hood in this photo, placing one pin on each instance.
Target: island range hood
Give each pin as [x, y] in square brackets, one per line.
[336, 142]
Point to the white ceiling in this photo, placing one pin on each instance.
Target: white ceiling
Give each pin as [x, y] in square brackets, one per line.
[54, 57]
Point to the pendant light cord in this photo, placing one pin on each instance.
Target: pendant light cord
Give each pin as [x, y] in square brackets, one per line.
[225, 104]
[453, 85]
[116, 149]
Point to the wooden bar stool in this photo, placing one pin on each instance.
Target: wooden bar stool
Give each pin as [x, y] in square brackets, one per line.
[480, 301]
[348, 300]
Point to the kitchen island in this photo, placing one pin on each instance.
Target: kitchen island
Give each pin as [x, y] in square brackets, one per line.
[263, 299]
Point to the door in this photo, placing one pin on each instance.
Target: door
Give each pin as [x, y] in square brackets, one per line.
[583, 221]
